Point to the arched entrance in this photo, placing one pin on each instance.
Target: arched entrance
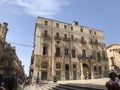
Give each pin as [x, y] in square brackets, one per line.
[86, 71]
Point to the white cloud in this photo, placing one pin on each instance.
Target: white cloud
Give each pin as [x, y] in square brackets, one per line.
[39, 7]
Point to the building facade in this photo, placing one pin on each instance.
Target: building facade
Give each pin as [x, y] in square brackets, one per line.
[10, 65]
[113, 53]
[3, 33]
[68, 51]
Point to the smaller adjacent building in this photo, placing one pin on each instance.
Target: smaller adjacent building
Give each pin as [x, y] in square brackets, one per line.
[10, 65]
[3, 32]
[113, 53]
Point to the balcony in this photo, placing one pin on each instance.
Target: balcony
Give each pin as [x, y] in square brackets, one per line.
[104, 58]
[57, 55]
[57, 38]
[85, 57]
[66, 39]
[101, 44]
[95, 43]
[91, 42]
[46, 36]
[44, 57]
[83, 42]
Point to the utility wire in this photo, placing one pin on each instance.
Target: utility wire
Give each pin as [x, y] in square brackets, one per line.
[19, 44]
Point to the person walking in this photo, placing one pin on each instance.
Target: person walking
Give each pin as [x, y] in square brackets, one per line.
[3, 86]
[119, 81]
[112, 83]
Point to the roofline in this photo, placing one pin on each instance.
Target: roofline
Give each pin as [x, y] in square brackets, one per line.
[71, 24]
[111, 45]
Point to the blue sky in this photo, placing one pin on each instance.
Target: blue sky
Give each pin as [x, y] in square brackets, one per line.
[21, 16]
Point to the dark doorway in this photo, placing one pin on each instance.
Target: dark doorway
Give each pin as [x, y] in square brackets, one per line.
[67, 72]
[44, 75]
[74, 72]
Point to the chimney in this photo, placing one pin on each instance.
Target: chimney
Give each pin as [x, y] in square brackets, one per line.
[74, 23]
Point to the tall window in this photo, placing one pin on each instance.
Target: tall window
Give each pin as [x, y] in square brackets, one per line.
[95, 68]
[2, 62]
[57, 51]
[46, 22]
[96, 41]
[73, 53]
[83, 53]
[45, 50]
[44, 75]
[57, 35]
[104, 54]
[65, 36]
[81, 30]
[65, 26]
[74, 66]
[82, 39]
[95, 32]
[58, 66]
[66, 51]
[58, 74]
[91, 42]
[90, 32]
[45, 33]
[98, 56]
[57, 25]
[71, 27]
[72, 38]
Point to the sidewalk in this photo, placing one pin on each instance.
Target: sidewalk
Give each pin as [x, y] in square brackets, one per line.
[90, 83]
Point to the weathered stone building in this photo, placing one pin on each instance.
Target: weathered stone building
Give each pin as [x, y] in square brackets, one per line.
[113, 53]
[10, 65]
[3, 32]
[68, 51]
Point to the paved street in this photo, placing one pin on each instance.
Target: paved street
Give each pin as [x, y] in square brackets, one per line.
[97, 84]
[38, 88]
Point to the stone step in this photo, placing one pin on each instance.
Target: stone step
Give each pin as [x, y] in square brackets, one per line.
[72, 87]
[58, 88]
